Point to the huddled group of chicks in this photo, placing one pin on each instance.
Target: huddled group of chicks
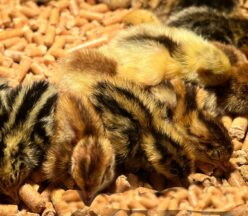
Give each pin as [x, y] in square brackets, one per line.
[152, 100]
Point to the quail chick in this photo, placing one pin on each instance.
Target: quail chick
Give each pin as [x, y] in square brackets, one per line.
[204, 21]
[212, 25]
[26, 126]
[169, 126]
[78, 147]
[93, 165]
[148, 54]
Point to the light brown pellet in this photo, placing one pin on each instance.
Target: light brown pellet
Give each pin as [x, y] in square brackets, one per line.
[24, 66]
[32, 198]
[238, 128]
[235, 179]
[7, 210]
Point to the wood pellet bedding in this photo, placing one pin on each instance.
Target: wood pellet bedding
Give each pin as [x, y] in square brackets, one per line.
[32, 38]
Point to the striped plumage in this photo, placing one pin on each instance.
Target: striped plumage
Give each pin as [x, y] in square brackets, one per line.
[164, 127]
[3, 84]
[150, 53]
[204, 21]
[79, 148]
[212, 25]
[167, 127]
[26, 126]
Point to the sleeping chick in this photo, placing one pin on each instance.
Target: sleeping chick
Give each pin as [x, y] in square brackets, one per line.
[169, 126]
[148, 54]
[27, 123]
[204, 21]
[212, 25]
[93, 165]
[78, 148]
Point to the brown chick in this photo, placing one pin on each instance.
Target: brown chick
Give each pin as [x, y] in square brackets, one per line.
[27, 123]
[149, 54]
[93, 165]
[78, 148]
[168, 127]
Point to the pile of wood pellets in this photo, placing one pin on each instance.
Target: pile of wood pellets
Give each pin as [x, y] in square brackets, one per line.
[32, 38]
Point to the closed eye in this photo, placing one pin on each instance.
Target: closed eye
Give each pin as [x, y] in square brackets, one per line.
[210, 147]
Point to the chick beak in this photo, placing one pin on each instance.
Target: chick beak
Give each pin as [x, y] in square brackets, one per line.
[87, 197]
[224, 165]
[14, 196]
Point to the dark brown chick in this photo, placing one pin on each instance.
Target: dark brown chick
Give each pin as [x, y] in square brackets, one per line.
[213, 25]
[93, 165]
[168, 127]
[78, 148]
[204, 21]
[27, 123]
